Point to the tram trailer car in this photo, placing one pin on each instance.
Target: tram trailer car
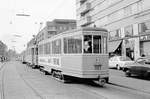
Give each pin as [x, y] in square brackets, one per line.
[80, 53]
[29, 56]
[23, 57]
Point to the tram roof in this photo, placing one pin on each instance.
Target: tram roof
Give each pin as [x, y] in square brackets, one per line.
[79, 29]
[85, 29]
[93, 29]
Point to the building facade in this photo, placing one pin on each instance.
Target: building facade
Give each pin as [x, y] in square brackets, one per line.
[3, 51]
[54, 27]
[128, 23]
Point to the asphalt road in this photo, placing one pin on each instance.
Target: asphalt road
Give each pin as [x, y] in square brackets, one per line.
[18, 81]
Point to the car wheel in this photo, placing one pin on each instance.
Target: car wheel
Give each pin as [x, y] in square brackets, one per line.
[127, 73]
[146, 75]
[118, 67]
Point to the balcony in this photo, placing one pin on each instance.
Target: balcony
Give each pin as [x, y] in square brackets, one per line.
[85, 9]
[51, 29]
[82, 1]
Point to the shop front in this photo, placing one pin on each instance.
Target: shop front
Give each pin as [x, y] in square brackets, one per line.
[145, 45]
[144, 32]
[115, 48]
[129, 47]
[115, 43]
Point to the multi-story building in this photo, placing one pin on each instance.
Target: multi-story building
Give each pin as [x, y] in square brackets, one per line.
[54, 27]
[128, 23]
[3, 49]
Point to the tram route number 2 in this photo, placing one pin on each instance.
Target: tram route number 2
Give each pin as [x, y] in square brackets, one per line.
[98, 64]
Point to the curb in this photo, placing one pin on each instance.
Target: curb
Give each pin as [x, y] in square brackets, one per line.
[124, 86]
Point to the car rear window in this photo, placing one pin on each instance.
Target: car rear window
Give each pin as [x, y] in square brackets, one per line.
[125, 59]
[147, 61]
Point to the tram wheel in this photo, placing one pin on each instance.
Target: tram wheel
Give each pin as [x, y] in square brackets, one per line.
[102, 82]
[53, 73]
[46, 73]
[118, 67]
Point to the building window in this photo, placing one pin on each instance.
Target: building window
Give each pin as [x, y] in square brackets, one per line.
[128, 30]
[128, 10]
[102, 21]
[144, 27]
[82, 1]
[115, 34]
[140, 5]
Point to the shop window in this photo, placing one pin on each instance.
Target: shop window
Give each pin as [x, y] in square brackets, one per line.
[144, 27]
[128, 30]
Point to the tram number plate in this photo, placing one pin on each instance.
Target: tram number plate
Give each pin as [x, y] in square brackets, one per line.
[98, 65]
[97, 60]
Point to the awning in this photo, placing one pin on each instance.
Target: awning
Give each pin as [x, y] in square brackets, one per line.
[112, 46]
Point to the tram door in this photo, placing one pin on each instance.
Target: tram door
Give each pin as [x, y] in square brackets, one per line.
[36, 56]
[32, 56]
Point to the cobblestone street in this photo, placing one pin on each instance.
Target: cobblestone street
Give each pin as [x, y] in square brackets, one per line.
[22, 82]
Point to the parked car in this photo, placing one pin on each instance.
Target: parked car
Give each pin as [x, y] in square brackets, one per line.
[119, 62]
[141, 67]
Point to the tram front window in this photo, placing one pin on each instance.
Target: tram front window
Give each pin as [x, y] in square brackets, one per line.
[87, 44]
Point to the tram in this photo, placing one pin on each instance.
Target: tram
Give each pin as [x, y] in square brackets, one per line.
[80, 53]
[29, 56]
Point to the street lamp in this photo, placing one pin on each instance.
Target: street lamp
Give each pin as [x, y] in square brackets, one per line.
[21, 14]
[16, 35]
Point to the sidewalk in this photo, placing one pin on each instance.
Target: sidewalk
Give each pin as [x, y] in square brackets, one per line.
[1, 64]
[15, 86]
[131, 83]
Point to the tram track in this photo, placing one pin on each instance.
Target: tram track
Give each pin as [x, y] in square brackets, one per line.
[2, 82]
[107, 92]
[30, 86]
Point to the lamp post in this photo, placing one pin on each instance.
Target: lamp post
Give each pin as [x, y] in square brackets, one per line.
[22, 14]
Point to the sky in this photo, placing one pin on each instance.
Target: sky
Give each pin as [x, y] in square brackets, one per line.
[16, 31]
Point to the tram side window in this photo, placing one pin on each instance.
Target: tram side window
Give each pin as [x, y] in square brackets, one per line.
[40, 49]
[78, 44]
[65, 45]
[73, 44]
[56, 47]
[87, 43]
[49, 48]
[96, 44]
[104, 45]
[46, 48]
